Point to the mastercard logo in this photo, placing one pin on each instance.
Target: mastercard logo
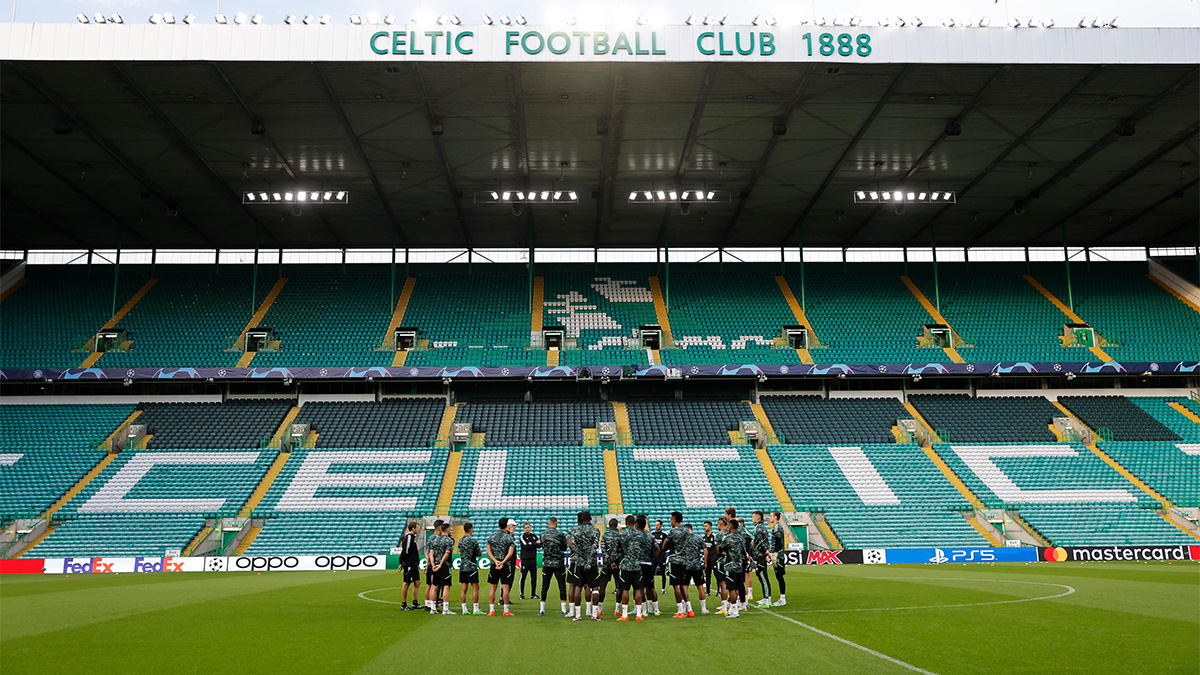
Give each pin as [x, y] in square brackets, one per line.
[1058, 554]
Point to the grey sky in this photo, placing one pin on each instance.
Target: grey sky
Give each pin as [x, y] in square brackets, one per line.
[932, 12]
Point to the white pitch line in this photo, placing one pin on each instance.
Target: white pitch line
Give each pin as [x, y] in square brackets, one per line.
[363, 595]
[855, 645]
[1069, 591]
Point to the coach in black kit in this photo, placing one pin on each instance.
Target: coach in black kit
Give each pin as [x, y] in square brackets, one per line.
[530, 543]
[410, 565]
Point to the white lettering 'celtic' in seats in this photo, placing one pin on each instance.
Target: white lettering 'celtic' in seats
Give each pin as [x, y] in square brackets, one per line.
[689, 465]
[1189, 448]
[712, 341]
[488, 491]
[622, 291]
[863, 476]
[314, 474]
[744, 340]
[111, 497]
[979, 459]
[574, 314]
[9, 458]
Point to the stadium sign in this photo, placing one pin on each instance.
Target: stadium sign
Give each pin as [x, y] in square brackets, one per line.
[1118, 553]
[673, 43]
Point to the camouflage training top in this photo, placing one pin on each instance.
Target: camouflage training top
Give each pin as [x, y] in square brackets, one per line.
[499, 544]
[585, 539]
[693, 551]
[638, 548]
[676, 539]
[734, 544]
[777, 537]
[441, 545]
[554, 548]
[609, 542]
[468, 552]
[762, 539]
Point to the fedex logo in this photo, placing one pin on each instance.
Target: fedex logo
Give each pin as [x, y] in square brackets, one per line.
[156, 565]
[87, 566]
[823, 558]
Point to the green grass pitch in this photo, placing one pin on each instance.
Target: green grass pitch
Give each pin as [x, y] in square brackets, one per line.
[1107, 618]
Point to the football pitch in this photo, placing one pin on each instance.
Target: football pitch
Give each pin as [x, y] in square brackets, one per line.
[1010, 618]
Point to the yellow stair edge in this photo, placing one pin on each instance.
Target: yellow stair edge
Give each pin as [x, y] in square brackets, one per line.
[1173, 292]
[660, 310]
[827, 532]
[397, 319]
[1030, 529]
[953, 478]
[449, 480]
[986, 535]
[916, 415]
[935, 315]
[37, 540]
[590, 437]
[399, 358]
[132, 416]
[247, 357]
[477, 440]
[798, 312]
[1070, 314]
[1181, 528]
[655, 358]
[290, 417]
[247, 540]
[93, 357]
[763, 421]
[1056, 432]
[737, 437]
[12, 289]
[68, 496]
[536, 305]
[1126, 473]
[204, 532]
[1185, 412]
[264, 485]
[447, 424]
[621, 416]
[768, 467]
[612, 482]
[552, 357]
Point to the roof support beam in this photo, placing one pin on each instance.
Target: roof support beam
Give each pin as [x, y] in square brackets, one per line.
[1095, 148]
[854, 141]
[522, 144]
[42, 219]
[37, 159]
[916, 165]
[1159, 152]
[127, 164]
[607, 156]
[273, 147]
[182, 141]
[706, 85]
[761, 166]
[443, 160]
[1017, 142]
[1177, 193]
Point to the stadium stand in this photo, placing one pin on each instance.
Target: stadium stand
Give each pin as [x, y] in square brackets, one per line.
[1008, 419]
[347, 500]
[1138, 320]
[913, 506]
[324, 317]
[1184, 266]
[1126, 420]
[45, 449]
[394, 423]
[1102, 525]
[811, 419]
[727, 314]
[58, 311]
[192, 317]
[472, 317]
[999, 314]
[518, 423]
[600, 308]
[700, 482]
[149, 501]
[233, 424]
[529, 484]
[1166, 467]
[690, 422]
[884, 330]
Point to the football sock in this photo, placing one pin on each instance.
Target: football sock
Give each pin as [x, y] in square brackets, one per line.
[624, 610]
[564, 608]
[578, 611]
[506, 609]
[491, 608]
[589, 608]
[639, 610]
[464, 606]
[476, 607]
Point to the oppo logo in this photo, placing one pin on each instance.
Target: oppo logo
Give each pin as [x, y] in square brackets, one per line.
[345, 562]
[267, 563]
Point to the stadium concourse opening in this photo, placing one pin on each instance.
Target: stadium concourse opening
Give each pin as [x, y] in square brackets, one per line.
[707, 320]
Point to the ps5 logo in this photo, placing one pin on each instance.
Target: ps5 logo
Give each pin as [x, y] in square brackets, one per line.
[963, 555]
[939, 556]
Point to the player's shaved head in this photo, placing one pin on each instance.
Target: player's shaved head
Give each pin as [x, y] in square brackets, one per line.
[612, 523]
[640, 521]
[733, 526]
[630, 520]
[553, 521]
[676, 518]
[468, 528]
[504, 523]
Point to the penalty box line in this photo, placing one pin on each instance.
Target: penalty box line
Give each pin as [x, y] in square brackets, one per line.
[855, 645]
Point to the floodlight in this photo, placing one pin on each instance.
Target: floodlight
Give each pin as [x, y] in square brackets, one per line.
[505, 20]
[487, 20]
[256, 19]
[156, 18]
[289, 19]
[188, 19]
[855, 20]
[308, 19]
[239, 18]
[82, 18]
[632, 196]
[116, 18]
[985, 22]
[674, 195]
[949, 23]
[839, 21]
[220, 19]
[819, 21]
[642, 20]
[690, 20]
[169, 18]
[324, 19]
[389, 19]
[356, 19]
[98, 18]
[521, 20]
[710, 195]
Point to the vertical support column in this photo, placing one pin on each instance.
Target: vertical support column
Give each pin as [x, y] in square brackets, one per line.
[254, 277]
[116, 275]
[153, 262]
[530, 294]
[803, 283]
[667, 267]
[1067, 266]
[937, 287]
[392, 297]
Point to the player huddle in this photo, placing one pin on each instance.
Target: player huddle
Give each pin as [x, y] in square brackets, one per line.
[584, 562]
